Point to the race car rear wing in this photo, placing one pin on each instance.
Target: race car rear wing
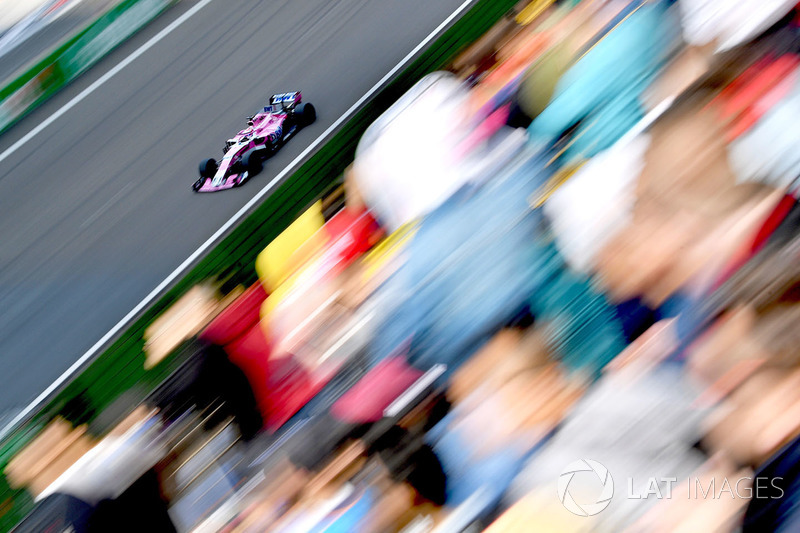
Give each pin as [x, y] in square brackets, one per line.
[286, 99]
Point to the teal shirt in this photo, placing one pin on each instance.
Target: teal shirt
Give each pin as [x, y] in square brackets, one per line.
[602, 89]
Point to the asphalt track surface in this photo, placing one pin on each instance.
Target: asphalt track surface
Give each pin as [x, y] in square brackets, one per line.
[97, 209]
[46, 35]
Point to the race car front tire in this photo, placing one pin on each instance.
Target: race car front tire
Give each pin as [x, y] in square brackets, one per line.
[305, 113]
[208, 167]
[251, 161]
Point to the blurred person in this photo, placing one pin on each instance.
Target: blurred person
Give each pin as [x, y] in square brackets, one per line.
[768, 150]
[752, 347]
[745, 338]
[725, 24]
[356, 491]
[596, 109]
[616, 176]
[747, 366]
[650, 214]
[506, 400]
[404, 171]
[328, 494]
[660, 419]
[746, 427]
[748, 363]
[662, 392]
[467, 271]
[475, 263]
[685, 193]
[778, 512]
[353, 490]
[657, 216]
[529, 62]
[754, 445]
[637, 422]
[746, 298]
[747, 313]
[357, 416]
[597, 99]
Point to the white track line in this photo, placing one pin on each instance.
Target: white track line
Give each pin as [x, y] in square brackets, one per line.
[104, 78]
[233, 220]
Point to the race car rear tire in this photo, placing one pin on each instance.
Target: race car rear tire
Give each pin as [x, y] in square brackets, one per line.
[251, 161]
[197, 185]
[305, 113]
[208, 167]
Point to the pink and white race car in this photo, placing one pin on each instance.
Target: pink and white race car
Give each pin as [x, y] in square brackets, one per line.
[265, 134]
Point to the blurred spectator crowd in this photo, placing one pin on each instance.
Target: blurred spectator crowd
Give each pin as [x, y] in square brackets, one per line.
[580, 243]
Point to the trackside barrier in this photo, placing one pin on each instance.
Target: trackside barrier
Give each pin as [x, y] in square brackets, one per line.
[74, 57]
[121, 367]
